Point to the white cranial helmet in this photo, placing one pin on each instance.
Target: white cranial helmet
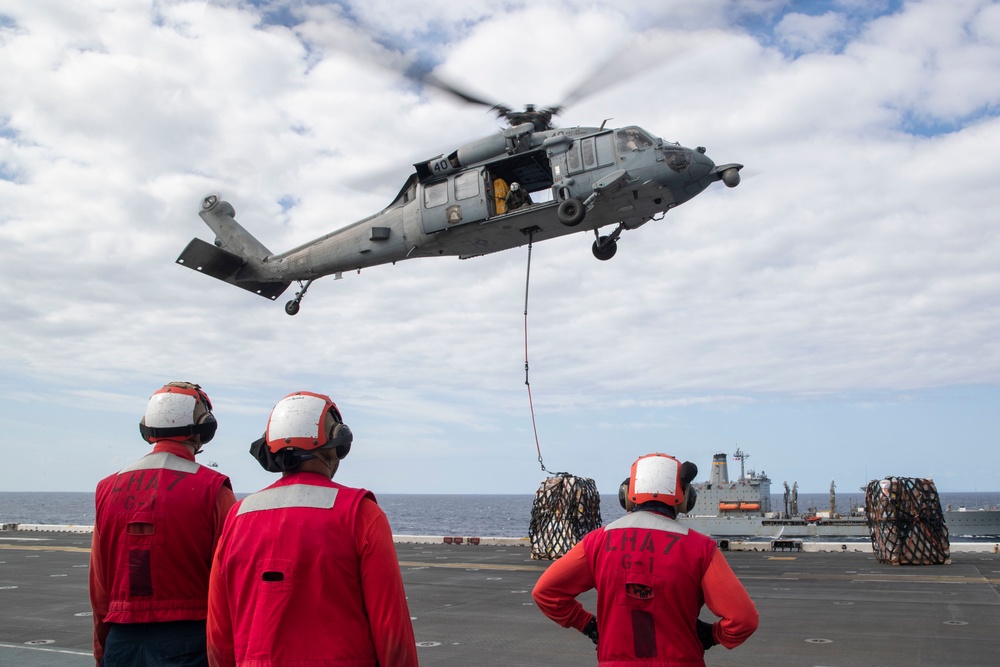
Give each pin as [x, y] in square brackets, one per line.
[178, 411]
[304, 420]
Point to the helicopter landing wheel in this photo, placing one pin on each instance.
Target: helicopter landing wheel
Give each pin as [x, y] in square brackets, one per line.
[292, 307]
[604, 248]
[571, 212]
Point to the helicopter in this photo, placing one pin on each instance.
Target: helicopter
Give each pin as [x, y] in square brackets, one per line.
[575, 179]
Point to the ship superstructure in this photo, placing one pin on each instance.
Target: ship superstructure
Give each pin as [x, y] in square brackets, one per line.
[972, 522]
[742, 508]
[749, 494]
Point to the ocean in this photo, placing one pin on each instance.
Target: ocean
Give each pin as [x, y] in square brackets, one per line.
[434, 514]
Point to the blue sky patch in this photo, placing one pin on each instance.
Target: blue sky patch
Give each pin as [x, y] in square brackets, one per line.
[7, 172]
[286, 203]
[923, 125]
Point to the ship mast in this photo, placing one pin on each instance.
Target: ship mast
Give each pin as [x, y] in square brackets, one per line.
[741, 456]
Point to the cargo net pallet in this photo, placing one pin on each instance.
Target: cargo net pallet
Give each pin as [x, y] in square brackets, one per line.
[566, 508]
[906, 523]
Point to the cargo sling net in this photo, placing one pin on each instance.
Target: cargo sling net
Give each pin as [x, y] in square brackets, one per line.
[906, 523]
[565, 509]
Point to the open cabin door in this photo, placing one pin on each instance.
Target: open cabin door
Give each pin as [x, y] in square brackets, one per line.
[458, 200]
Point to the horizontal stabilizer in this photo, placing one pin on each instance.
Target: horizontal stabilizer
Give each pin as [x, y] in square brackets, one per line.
[226, 266]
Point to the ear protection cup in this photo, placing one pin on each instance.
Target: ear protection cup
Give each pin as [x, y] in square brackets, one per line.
[340, 438]
[688, 472]
[690, 498]
[206, 424]
[206, 427]
[623, 494]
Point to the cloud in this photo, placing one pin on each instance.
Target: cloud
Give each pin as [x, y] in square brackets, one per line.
[803, 33]
[858, 255]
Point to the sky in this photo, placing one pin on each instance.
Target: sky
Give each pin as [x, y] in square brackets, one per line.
[836, 316]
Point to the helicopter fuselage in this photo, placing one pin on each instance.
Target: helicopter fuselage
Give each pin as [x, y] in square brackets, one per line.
[579, 179]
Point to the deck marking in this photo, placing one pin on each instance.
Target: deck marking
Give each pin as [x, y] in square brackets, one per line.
[26, 547]
[47, 650]
[878, 578]
[476, 566]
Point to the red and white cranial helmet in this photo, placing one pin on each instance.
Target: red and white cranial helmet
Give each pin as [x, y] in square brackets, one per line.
[656, 477]
[304, 420]
[178, 411]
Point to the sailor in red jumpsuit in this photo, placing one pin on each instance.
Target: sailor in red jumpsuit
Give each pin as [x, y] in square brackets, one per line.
[156, 528]
[652, 576]
[306, 571]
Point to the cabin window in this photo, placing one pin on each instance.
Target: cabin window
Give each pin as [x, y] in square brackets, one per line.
[605, 145]
[589, 155]
[573, 157]
[466, 185]
[436, 194]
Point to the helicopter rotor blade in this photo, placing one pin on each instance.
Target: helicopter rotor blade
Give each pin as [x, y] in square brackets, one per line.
[420, 70]
[422, 74]
[607, 73]
[434, 81]
[650, 46]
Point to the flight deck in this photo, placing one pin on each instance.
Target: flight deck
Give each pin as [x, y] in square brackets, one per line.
[471, 605]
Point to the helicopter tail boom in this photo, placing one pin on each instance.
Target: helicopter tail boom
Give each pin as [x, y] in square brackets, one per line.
[236, 258]
[230, 235]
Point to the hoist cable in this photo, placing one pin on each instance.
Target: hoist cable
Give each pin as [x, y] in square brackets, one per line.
[531, 405]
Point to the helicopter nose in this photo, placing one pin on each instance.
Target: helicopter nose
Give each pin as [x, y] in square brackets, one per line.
[698, 173]
[708, 172]
[701, 164]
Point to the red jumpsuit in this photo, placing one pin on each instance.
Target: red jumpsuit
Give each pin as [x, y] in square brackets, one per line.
[306, 573]
[156, 527]
[653, 576]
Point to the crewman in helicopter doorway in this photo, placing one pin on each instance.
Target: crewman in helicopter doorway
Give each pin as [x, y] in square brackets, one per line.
[517, 197]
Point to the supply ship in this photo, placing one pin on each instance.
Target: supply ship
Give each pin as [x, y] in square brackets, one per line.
[972, 522]
[743, 508]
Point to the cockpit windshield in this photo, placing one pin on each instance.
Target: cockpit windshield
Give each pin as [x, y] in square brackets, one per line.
[632, 139]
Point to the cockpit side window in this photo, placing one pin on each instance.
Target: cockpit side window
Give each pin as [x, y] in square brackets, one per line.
[632, 139]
